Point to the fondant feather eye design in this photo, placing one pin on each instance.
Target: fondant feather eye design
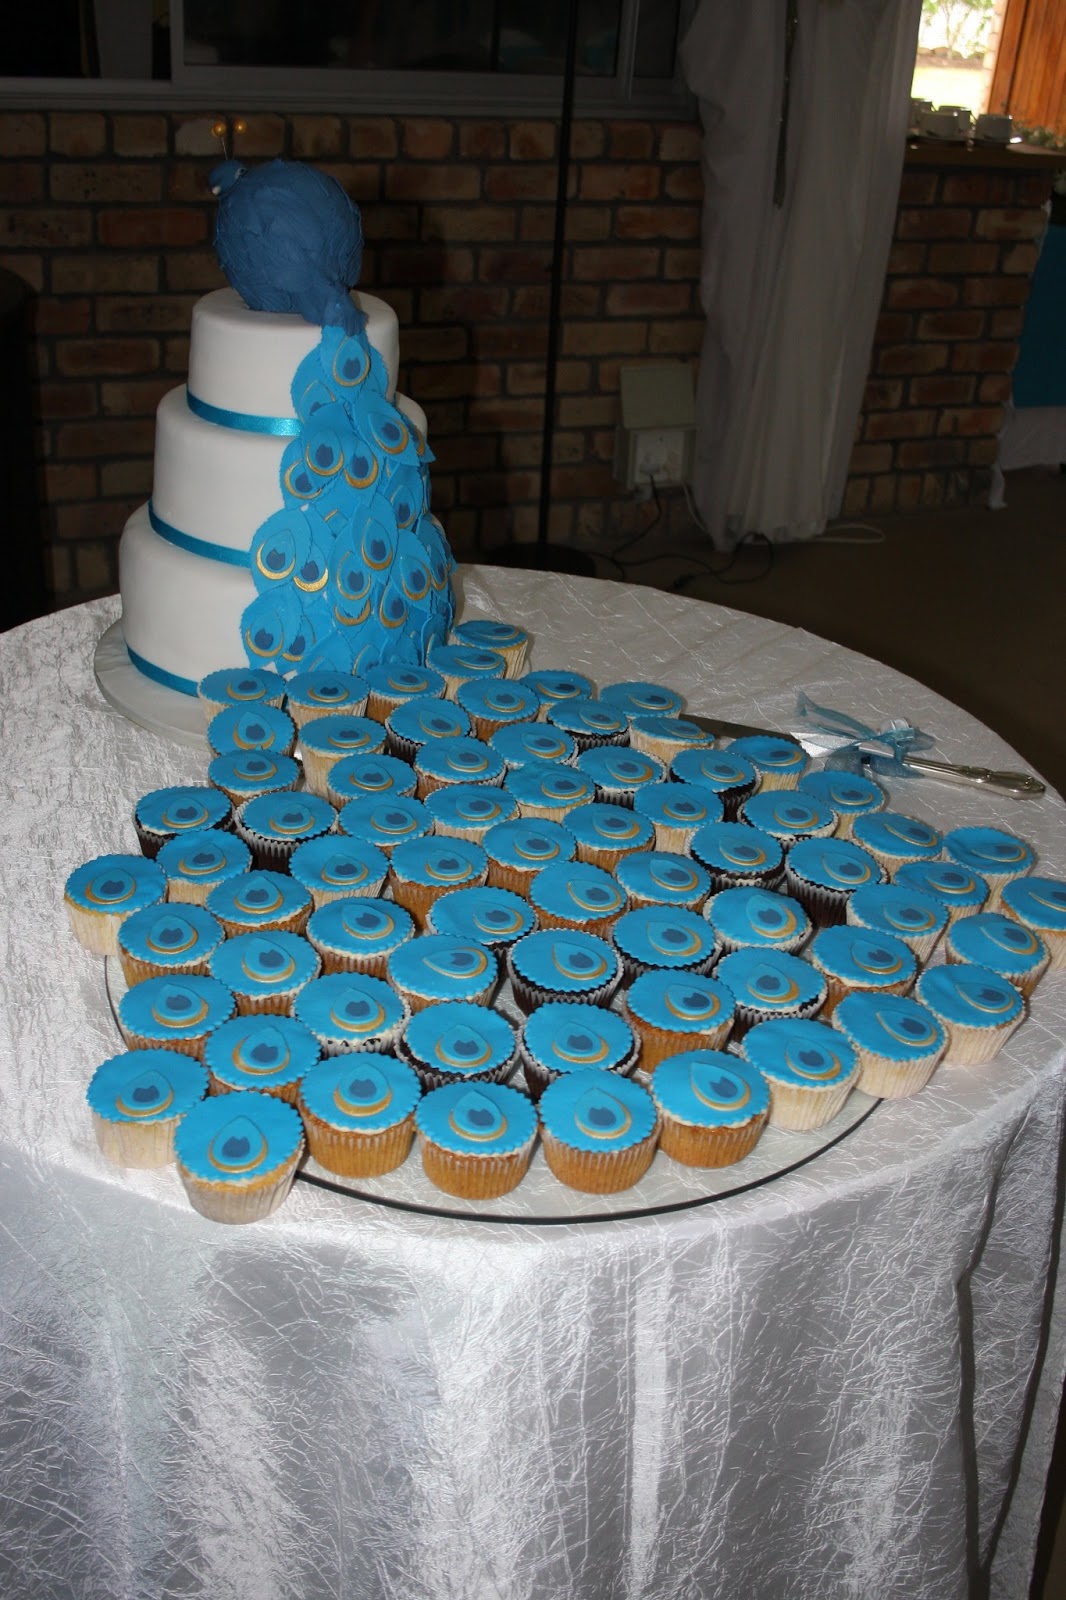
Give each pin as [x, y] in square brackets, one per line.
[717, 1087]
[364, 1094]
[238, 1146]
[314, 397]
[323, 452]
[908, 1028]
[377, 543]
[279, 545]
[392, 607]
[351, 362]
[384, 427]
[361, 466]
[405, 495]
[475, 1116]
[267, 624]
[147, 1095]
[297, 481]
[601, 1116]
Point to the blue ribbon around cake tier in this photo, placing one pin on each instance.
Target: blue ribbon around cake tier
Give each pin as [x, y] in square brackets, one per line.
[243, 421]
[197, 547]
[169, 680]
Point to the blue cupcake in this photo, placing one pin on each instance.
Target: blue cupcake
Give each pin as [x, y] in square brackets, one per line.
[174, 1013]
[963, 892]
[665, 737]
[767, 984]
[636, 699]
[824, 874]
[1039, 904]
[347, 1011]
[899, 1042]
[421, 870]
[359, 1116]
[263, 728]
[589, 722]
[269, 1054]
[738, 856]
[998, 856]
[553, 687]
[258, 901]
[237, 1155]
[459, 1042]
[374, 777]
[916, 918]
[599, 1131]
[811, 1070]
[518, 850]
[334, 738]
[359, 935]
[100, 894]
[674, 1011]
[979, 1009]
[469, 810]
[475, 1139]
[730, 776]
[273, 826]
[618, 772]
[663, 936]
[165, 813]
[242, 774]
[392, 685]
[568, 1036]
[460, 663]
[438, 967]
[894, 839]
[332, 868]
[577, 896]
[851, 795]
[492, 704]
[418, 721]
[531, 742]
[137, 1100]
[495, 918]
[549, 790]
[323, 693]
[677, 811]
[385, 823]
[442, 762]
[993, 940]
[849, 958]
[511, 641]
[562, 964]
[787, 815]
[166, 940]
[663, 878]
[756, 919]
[607, 834]
[712, 1106]
[247, 687]
[194, 863]
[778, 760]
[265, 971]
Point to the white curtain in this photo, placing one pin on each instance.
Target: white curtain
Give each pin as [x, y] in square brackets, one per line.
[791, 292]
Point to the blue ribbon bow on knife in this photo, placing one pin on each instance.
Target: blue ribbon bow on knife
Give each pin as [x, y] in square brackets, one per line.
[884, 750]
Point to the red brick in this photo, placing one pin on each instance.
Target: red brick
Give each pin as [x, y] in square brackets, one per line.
[995, 291]
[584, 224]
[935, 222]
[982, 452]
[453, 380]
[504, 415]
[1013, 224]
[532, 181]
[50, 315]
[971, 420]
[997, 355]
[657, 222]
[967, 257]
[892, 327]
[139, 135]
[56, 400]
[434, 181]
[681, 338]
[22, 133]
[906, 258]
[133, 399]
[428, 138]
[136, 182]
[908, 491]
[193, 269]
[1020, 258]
[871, 458]
[900, 425]
[77, 133]
[524, 377]
[856, 494]
[424, 265]
[176, 354]
[69, 480]
[1006, 324]
[374, 137]
[683, 183]
[360, 179]
[950, 325]
[152, 227]
[509, 341]
[474, 303]
[91, 357]
[157, 313]
[95, 568]
[187, 185]
[648, 299]
[588, 141]
[882, 494]
[466, 451]
[99, 518]
[532, 141]
[21, 182]
[931, 453]
[473, 224]
[96, 273]
[193, 136]
[616, 263]
[482, 141]
[105, 439]
[996, 387]
[680, 142]
[45, 229]
[385, 224]
[622, 181]
[126, 477]
[682, 263]
[977, 188]
[263, 134]
[435, 344]
[941, 390]
[498, 488]
[604, 338]
[29, 268]
[583, 483]
[916, 294]
[882, 395]
[918, 188]
[314, 137]
[901, 359]
[1033, 188]
[513, 266]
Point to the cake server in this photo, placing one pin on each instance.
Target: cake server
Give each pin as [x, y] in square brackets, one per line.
[1023, 784]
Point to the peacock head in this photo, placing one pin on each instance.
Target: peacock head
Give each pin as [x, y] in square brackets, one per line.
[224, 176]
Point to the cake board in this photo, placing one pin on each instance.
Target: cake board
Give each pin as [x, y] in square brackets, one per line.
[151, 705]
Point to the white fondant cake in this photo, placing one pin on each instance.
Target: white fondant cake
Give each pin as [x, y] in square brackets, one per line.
[216, 480]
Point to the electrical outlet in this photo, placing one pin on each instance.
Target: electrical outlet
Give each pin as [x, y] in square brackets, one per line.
[659, 456]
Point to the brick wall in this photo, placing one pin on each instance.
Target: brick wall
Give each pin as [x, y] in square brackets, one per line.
[108, 219]
[947, 338]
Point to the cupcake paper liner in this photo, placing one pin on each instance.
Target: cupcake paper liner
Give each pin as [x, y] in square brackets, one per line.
[241, 1202]
[472, 1176]
[599, 1171]
[354, 1154]
[693, 1146]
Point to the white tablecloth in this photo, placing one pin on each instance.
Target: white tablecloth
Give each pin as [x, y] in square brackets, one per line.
[843, 1384]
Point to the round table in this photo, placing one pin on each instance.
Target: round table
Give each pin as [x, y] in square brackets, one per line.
[844, 1383]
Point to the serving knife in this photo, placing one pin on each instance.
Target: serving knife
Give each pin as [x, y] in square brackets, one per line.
[1023, 784]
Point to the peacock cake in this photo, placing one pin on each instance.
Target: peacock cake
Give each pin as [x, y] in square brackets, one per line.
[290, 522]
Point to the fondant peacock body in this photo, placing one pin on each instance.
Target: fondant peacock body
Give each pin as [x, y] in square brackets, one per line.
[354, 569]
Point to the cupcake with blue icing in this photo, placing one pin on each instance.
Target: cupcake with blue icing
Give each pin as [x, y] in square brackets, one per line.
[333, 868]
[849, 958]
[269, 1054]
[663, 936]
[529, 742]
[385, 823]
[246, 687]
[978, 1008]
[421, 870]
[779, 761]
[419, 721]
[850, 794]
[894, 839]
[998, 856]
[243, 774]
[348, 1011]
[174, 1013]
[262, 728]
[166, 940]
[730, 776]
[769, 983]
[549, 791]
[469, 810]
[590, 722]
[562, 964]
[465, 663]
[677, 811]
[273, 826]
[459, 1042]
[907, 914]
[898, 1041]
[333, 738]
[577, 895]
[637, 699]
[237, 1155]
[824, 874]
[519, 849]
[165, 813]
[359, 935]
[663, 878]
[994, 940]
[375, 777]
[324, 693]
[100, 894]
[392, 685]
[674, 1011]
[618, 772]
[553, 688]
[1039, 904]
[492, 704]
[195, 863]
[265, 971]
[756, 919]
[475, 1140]
[137, 1099]
[607, 834]
[444, 762]
[359, 1116]
[713, 1108]
[810, 1068]
[258, 902]
[738, 856]
[495, 918]
[566, 1036]
[508, 638]
[788, 815]
[961, 891]
[439, 966]
[599, 1131]
[666, 737]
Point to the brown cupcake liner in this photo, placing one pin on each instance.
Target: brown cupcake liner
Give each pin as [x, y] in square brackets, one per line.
[538, 1077]
[474, 1176]
[435, 1078]
[295, 922]
[658, 1044]
[528, 995]
[599, 1171]
[826, 907]
[240, 1202]
[596, 741]
[771, 879]
[420, 898]
[350, 1153]
[607, 856]
[517, 879]
[733, 799]
[374, 966]
[182, 1047]
[420, 1002]
[485, 727]
[274, 855]
[600, 926]
[837, 989]
[746, 1017]
[289, 1092]
[266, 1005]
[633, 968]
[693, 1146]
[150, 843]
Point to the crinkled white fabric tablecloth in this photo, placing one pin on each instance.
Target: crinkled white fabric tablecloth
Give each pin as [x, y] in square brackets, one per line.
[841, 1385]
